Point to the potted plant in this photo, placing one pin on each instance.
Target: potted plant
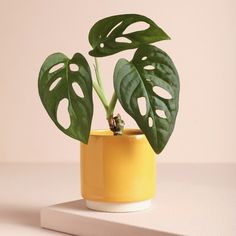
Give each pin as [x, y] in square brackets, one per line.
[117, 165]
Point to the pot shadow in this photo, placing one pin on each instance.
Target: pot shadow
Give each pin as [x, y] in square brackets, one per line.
[76, 204]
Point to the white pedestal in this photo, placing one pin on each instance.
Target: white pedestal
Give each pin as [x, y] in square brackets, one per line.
[76, 219]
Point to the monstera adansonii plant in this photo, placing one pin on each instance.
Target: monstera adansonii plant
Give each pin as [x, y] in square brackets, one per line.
[150, 76]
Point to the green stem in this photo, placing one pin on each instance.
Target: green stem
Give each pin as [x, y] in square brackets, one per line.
[101, 95]
[112, 105]
[100, 83]
[115, 123]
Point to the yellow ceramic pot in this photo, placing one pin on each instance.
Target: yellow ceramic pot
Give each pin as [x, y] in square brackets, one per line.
[118, 173]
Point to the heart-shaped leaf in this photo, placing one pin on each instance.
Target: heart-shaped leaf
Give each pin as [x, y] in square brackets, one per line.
[108, 35]
[68, 74]
[150, 75]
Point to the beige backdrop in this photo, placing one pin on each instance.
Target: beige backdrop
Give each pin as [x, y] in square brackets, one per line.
[203, 48]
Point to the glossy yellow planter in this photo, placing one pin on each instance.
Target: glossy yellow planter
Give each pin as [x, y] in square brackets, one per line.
[118, 169]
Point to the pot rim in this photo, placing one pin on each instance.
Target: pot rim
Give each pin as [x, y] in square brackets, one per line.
[130, 132]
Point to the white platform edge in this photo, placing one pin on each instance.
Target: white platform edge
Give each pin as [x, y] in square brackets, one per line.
[66, 218]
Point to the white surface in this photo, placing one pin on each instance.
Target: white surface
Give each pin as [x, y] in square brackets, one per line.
[192, 199]
[74, 218]
[118, 207]
[203, 48]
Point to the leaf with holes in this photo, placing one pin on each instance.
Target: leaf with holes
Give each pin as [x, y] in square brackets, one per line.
[109, 35]
[62, 78]
[150, 75]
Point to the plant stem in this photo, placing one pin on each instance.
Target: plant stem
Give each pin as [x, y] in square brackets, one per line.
[116, 124]
[98, 86]
[111, 106]
[100, 83]
[101, 95]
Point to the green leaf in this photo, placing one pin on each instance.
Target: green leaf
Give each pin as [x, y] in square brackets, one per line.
[72, 73]
[106, 34]
[149, 70]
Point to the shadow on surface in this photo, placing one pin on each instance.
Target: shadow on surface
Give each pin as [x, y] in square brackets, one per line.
[75, 205]
[20, 215]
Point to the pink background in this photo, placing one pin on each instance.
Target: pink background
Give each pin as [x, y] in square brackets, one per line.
[203, 48]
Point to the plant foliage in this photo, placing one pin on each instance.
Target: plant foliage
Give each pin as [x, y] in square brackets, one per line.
[146, 76]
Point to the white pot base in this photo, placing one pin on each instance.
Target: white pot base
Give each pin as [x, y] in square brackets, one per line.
[118, 207]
